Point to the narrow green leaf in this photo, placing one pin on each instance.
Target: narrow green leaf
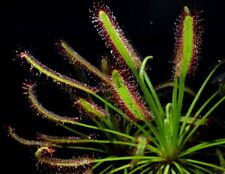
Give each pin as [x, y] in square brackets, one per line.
[91, 108]
[118, 40]
[143, 65]
[127, 97]
[210, 165]
[202, 146]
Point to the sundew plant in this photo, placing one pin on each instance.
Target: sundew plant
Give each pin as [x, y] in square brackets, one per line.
[122, 126]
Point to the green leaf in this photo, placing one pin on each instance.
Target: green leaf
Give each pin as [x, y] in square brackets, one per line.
[127, 97]
[202, 146]
[92, 108]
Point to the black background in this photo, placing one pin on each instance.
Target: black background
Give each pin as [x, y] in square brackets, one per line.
[37, 26]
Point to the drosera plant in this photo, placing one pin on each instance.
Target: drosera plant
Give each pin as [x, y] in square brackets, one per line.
[136, 133]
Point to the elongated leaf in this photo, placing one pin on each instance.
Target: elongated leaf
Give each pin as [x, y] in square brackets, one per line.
[55, 75]
[133, 106]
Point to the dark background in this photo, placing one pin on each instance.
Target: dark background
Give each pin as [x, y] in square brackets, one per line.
[37, 26]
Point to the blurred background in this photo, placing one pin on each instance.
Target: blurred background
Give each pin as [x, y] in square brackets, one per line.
[36, 26]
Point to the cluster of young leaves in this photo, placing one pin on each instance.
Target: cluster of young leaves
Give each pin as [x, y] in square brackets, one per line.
[136, 133]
